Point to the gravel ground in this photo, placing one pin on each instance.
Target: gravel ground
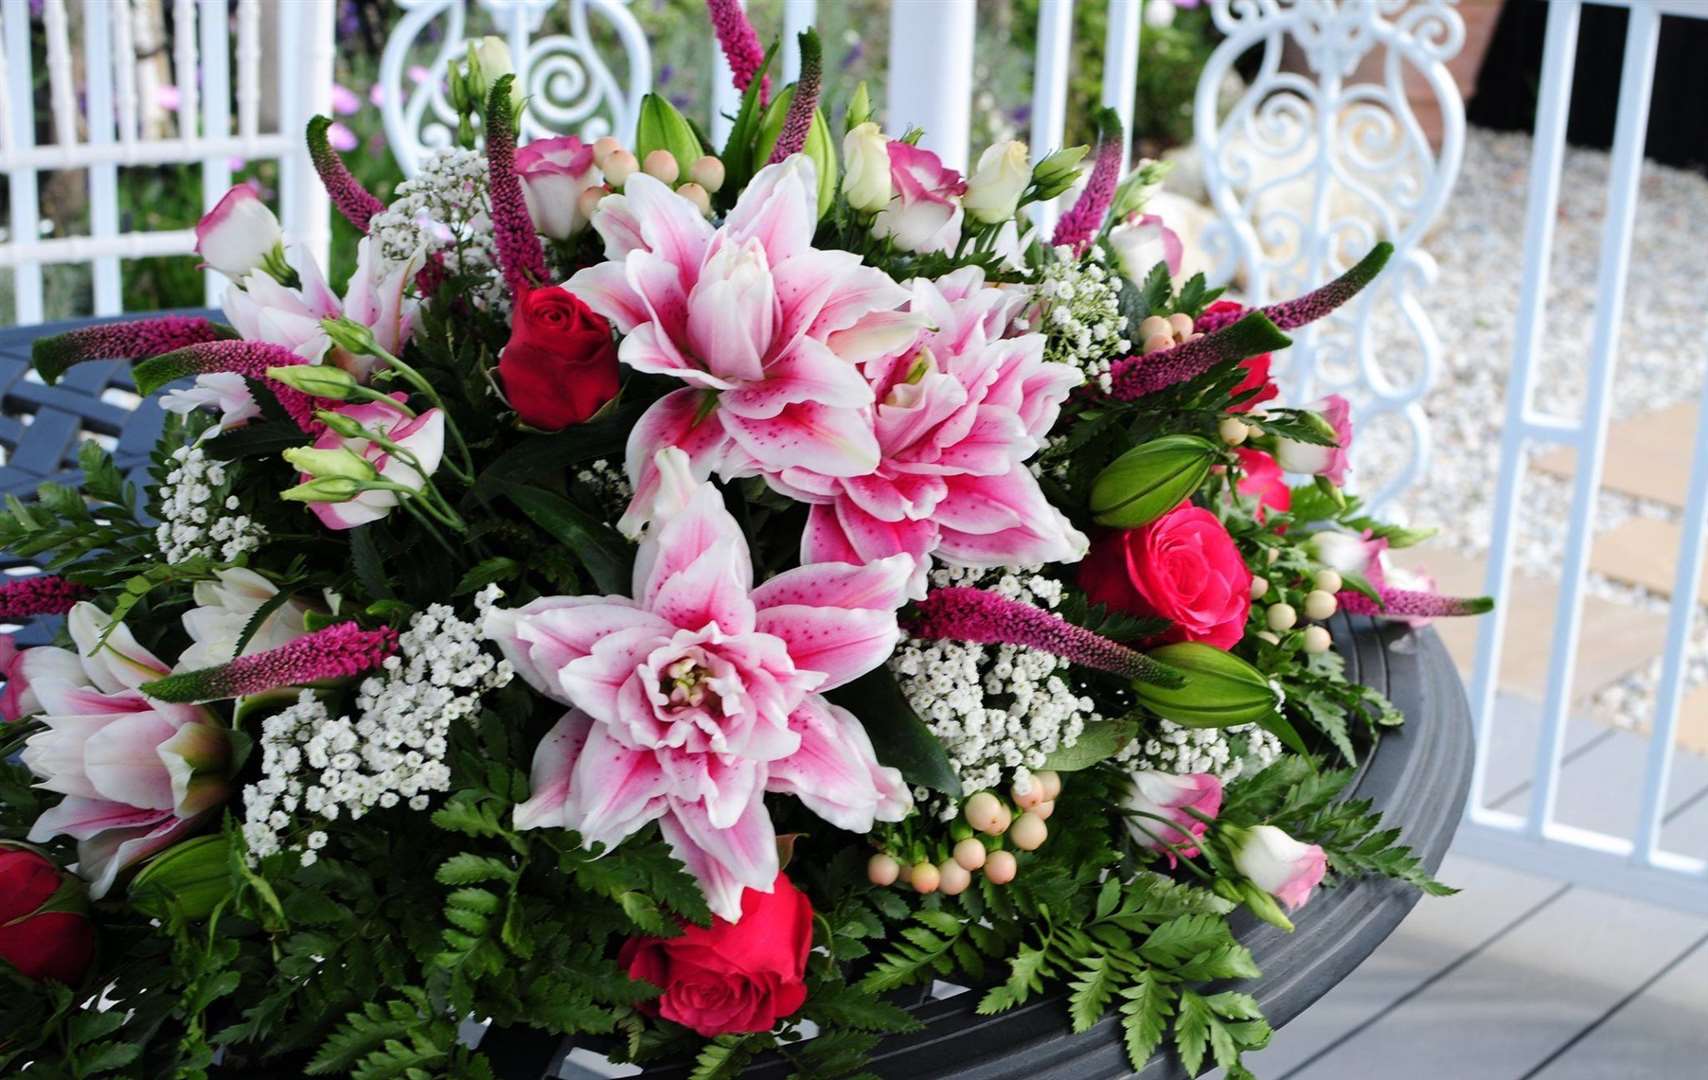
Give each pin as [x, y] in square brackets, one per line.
[1479, 246]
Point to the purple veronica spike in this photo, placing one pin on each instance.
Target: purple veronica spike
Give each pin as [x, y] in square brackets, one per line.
[980, 617]
[136, 340]
[346, 192]
[797, 123]
[1292, 314]
[1412, 604]
[740, 45]
[336, 652]
[1078, 227]
[247, 358]
[519, 251]
[41, 594]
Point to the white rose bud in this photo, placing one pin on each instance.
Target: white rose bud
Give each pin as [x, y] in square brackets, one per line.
[867, 155]
[238, 234]
[994, 189]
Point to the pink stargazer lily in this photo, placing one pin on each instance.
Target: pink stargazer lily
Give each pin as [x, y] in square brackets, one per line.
[959, 410]
[137, 774]
[763, 328]
[701, 694]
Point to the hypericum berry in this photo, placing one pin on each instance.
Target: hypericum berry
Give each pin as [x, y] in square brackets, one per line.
[697, 195]
[985, 812]
[970, 853]
[621, 165]
[1001, 867]
[1044, 809]
[603, 148]
[1317, 639]
[1031, 796]
[1233, 430]
[1328, 581]
[953, 878]
[925, 878]
[662, 165]
[882, 869]
[589, 200]
[1028, 832]
[1259, 588]
[1281, 617]
[1051, 781]
[1158, 343]
[1154, 325]
[1181, 324]
[708, 172]
[1320, 605]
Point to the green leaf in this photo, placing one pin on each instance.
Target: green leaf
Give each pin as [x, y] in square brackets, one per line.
[1192, 1031]
[738, 151]
[365, 560]
[466, 868]
[486, 572]
[608, 557]
[263, 439]
[545, 457]
[1100, 740]
[259, 619]
[1091, 992]
[898, 734]
[1149, 1003]
[1182, 937]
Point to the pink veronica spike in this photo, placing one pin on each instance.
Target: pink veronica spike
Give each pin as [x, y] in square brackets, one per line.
[336, 652]
[136, 340]
[41, 594]
[797, 123]
[981, 617]
[519, 251]
[346, 192]
[1413, 604]
[1078, 227]
[247, 358]
[740, 44]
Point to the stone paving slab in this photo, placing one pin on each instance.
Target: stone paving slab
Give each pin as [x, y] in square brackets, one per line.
[1648, 455]
[1644, 552]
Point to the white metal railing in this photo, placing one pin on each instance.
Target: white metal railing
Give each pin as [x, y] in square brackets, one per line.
[1535, 840]
[107, 133]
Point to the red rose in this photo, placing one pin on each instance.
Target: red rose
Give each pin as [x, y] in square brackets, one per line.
[1261, 476]
[44, 926]
[740, 976]
[1183, 567]
[1224, 313]
[560, 365]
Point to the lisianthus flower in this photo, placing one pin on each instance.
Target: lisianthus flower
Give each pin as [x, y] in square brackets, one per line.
[137, 774]
[554, 173]
[760, 325]
[1325, 461]
[238, 234]
[696, 697]
[1161, 795]
[960, 409]
[1141, 242]
[423, 436]
[925, 197]
[1278, 864]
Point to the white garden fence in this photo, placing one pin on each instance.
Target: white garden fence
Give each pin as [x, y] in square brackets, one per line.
[215, 57]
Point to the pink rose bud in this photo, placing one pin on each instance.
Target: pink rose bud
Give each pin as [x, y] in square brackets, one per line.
[238, 234]
[1279, 864]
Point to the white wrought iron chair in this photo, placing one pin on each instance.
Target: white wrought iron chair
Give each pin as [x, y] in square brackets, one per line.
[96, 124]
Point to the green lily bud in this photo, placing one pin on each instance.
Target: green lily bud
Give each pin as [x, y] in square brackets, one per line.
[819, 146]
[324, 489]
[1056, 173]
[1220, 690]
[338, 462]
[859, 108]
[350, 336]
[187, 880]
[662, 127]
[320, 380]
[346, 426]
[1151, 479]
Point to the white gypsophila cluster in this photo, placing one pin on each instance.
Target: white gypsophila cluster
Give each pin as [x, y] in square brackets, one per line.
[608, 484]
[1226, 752]
[392, 752]
[198, 513]
[444, 209]
[1080, 305]
[995, 708]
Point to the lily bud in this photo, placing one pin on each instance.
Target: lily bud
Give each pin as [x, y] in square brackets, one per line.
[1056, 173]
[186, 880]
[320, 380]
[324, 489]
[994, 188]
[1150, 480]
[1220, 689]
[867, 182]
[662, 127]
[338, 462]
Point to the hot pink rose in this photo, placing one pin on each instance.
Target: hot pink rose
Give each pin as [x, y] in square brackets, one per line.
[1261, 476]
[1183, 567]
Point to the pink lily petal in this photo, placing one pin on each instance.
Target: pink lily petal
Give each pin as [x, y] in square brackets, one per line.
[100, 859]
[679, 419]
[779, 208]
[838, 442]
[121, 762]
[723, 786]
[843, 644]
[880, 585]
[613, 790]
[549, 776]
[734, 311]
[544, 636]
[119, 663]
[595, 682]
[669, 226]
[836, 773]
[81, 818]
[711, 589]
[879, 334]
[605, 288]
[726, 861]
[809, 372]
[695, 521]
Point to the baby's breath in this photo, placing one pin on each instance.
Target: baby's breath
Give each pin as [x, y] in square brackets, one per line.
[198, 513]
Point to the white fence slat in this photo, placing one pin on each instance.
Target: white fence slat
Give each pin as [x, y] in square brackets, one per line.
[123, 18]
[82, 249]
[1121, 66]
[249, 67]
[104, 178]
[1630, 130]
[305, 202]
[931, 74]
[1049, 91]
[62, 88]
[25, 216]
[216, 119]
[184, 74]
[798, 15]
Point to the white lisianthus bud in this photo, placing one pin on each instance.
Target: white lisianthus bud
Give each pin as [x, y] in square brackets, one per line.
[489, 61]
[994, 189]
[866, 154]
[1278, 864]
[238, 234]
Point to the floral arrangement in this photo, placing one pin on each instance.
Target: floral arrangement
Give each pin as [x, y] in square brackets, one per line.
[682, 596]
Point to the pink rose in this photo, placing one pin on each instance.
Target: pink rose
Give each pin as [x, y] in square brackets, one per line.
[238, 234]
[926, 197]
[554, 173]
[1261, 476]
[1326, 461]
[1183, 567]
[1160, 795]
[1279, 864]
